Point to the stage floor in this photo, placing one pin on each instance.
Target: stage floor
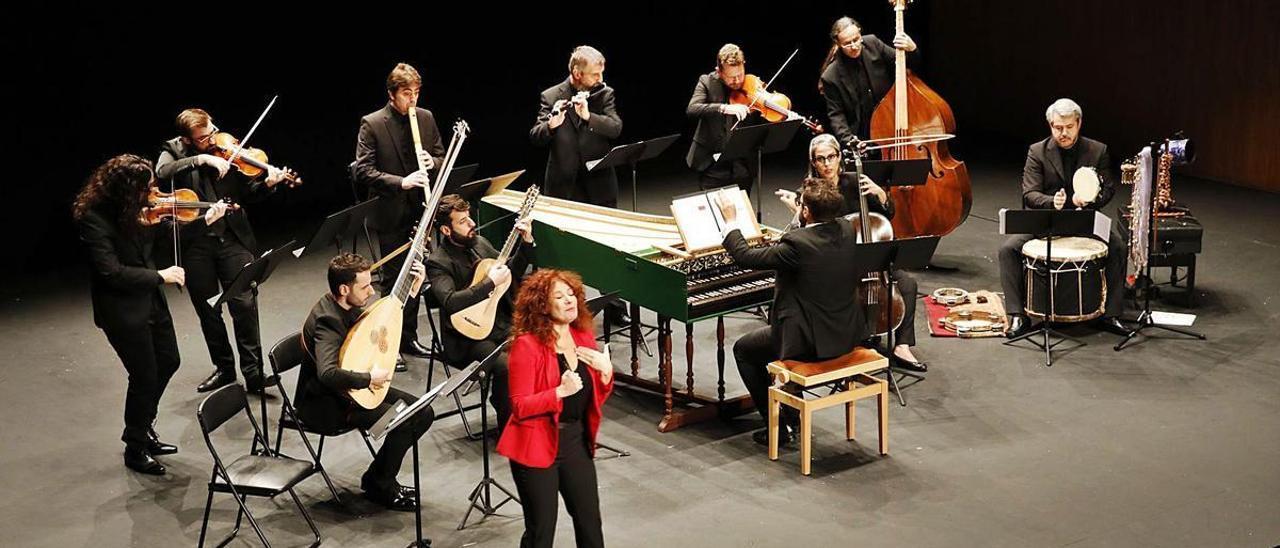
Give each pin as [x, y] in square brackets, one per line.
[1165, 443]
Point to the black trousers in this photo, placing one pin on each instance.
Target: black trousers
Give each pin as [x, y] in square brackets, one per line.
[740, 172]
[496, 372]
[150, 356]
[573, 476]
[1014, 282]
[386, 465]
[389, 241]
[752, 353]
[212, 263]
[906, 333]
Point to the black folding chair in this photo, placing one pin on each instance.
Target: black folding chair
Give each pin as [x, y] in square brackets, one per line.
[286, 355]
[251, 474]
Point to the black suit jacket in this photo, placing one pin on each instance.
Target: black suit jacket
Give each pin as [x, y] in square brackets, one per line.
[449, 271]
[575, 143]
[124, 285]
[384, 156]
[321, 395]
[177, 164]
[815, 312]
[839, 87]
[1043, 174]
[713, 126]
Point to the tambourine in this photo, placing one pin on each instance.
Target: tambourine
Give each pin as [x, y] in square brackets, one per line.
[1085, 183]
[970, 323]
[950, 296]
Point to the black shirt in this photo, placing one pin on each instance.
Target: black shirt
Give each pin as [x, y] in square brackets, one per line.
[1070, 161]
[862, 84]
[574, 408]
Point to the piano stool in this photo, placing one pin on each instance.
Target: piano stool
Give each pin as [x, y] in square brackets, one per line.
[851, 372]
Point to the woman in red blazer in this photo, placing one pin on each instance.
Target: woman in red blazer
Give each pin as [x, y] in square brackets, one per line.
[555, 407]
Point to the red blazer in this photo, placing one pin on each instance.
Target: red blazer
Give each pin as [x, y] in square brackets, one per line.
[532, 434]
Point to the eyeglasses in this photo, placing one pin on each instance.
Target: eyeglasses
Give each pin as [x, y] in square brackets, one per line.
[853, 45]
[827, 158]
[213, 130]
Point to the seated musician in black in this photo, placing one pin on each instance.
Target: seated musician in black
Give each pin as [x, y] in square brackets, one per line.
[451, 268]
[321, 396]
[1046, 183]
[825, 164]
[815, 313]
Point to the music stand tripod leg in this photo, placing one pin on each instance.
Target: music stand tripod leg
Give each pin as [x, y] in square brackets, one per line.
[481, 497]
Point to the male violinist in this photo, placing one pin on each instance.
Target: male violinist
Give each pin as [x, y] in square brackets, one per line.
[577, 118]
[387, 161]
[213, 254]
[711, 107]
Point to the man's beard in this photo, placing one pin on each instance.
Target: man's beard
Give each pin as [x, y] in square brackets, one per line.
[463, 241]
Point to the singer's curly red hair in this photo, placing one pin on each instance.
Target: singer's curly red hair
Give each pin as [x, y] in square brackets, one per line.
[533, 305]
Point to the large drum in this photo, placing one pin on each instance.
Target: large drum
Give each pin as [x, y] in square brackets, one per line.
[1076, 275]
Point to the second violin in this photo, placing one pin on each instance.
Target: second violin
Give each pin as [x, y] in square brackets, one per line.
[252, 162]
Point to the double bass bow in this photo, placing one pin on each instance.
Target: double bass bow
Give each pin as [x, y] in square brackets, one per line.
[910, 110]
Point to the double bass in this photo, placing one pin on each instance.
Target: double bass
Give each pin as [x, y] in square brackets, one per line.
[912, 109]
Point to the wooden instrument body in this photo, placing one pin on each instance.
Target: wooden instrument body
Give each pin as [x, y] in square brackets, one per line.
[374, 343]
[476, 321]
[873, 294]
[938, 207]
[913, 109]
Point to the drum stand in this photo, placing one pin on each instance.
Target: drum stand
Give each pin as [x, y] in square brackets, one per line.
[1045, 330]
[1145, 320]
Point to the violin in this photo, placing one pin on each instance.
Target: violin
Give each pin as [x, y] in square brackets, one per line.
[182, 205]
[252, 162]
[773, 106]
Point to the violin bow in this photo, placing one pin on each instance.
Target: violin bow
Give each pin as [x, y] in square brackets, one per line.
[245, 142]
[767, 84]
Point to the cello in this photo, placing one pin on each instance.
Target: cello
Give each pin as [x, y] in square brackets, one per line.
[913, 109]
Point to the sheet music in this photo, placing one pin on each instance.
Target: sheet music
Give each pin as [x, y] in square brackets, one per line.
[701, 222]
[1101, 226]
[1002, 211]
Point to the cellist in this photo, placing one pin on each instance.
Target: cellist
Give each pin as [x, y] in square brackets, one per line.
[856, 75]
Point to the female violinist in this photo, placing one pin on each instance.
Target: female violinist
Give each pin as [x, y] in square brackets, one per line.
[128, 303]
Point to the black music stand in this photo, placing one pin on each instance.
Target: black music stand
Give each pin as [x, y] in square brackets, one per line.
[254, 274]
[481, 497]
[398, 416]
[885, 257]
[1145, 320]
[632, 154]
[1048, 224]
[339, 226]
[594, 306]
[753, 142]
[889, 173]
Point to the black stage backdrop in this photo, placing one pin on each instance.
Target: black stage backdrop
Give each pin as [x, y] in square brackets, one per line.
[86, 86]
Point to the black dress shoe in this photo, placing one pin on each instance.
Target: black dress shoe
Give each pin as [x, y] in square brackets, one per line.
[217, 380]
[1112, 324]
[903, 363]
[786, 435]
[618, 315]
[415, 349]
[1018, 325]
[401, 365]
[157, 447]
[254, 385]
[398, 500]
[139, 460]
